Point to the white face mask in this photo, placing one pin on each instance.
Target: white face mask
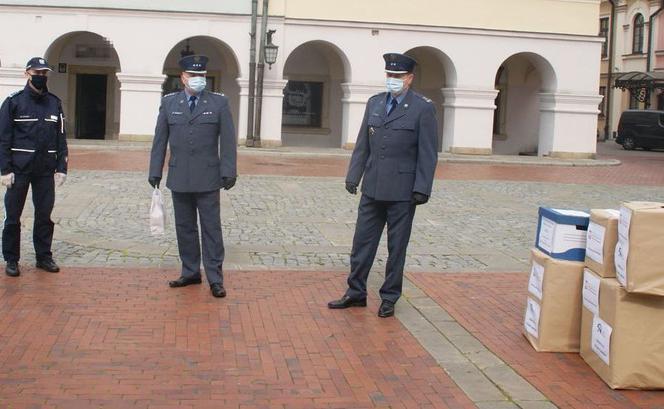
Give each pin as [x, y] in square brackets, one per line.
[394, 85]
[196, 84]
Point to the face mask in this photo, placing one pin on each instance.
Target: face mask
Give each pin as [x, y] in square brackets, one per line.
[394, 85]
[39, 81]
[196, 84]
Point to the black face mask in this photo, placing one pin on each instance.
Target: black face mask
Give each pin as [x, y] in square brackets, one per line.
[39, 81]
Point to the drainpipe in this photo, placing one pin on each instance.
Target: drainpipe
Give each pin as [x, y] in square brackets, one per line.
[650, 47]
[650, 30]
[609, 79]
[252, 74]
[261, 74]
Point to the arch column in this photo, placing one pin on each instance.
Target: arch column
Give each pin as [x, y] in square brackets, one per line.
[243, 111]
[273, 96]
[568, 125]
[468, 127]
[140, 96]
[353, 103]
[11, 80]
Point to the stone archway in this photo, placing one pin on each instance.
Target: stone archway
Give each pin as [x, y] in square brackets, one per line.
[520, 81]
[434, 72]
[223, 69]
[312, 113]
[84, 77]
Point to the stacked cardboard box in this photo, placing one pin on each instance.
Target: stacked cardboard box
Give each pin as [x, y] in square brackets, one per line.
[622, 320]
[553, 308]
[622, 334]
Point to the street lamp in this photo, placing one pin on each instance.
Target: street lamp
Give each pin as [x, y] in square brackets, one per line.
[271, 50]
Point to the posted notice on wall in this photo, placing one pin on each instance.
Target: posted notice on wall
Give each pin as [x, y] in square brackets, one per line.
[595, 242]
[536, 280]
[531, 322]
[591, 291]
[620, 259]
[600, 341]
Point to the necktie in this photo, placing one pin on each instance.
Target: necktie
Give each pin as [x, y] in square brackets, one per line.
[393, 106]
[192, 103]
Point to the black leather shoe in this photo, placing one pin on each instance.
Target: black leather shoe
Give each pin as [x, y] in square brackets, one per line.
[217, 290]
[345, 302]
[386, 309]
[184, 281]
[48, 265]
[12, 270]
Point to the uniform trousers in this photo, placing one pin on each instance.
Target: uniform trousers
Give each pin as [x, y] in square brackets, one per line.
[189, 209]
[372, 216]
[43, 199]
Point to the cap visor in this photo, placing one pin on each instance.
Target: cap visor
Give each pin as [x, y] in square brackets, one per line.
[196, 72]
[47, 68]
[396, 72]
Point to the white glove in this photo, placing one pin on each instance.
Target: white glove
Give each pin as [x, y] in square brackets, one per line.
[60, 178]
[7, 180]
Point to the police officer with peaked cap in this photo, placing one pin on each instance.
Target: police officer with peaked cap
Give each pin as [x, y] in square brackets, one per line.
[197, 126]
[33, 152]
[395, 155]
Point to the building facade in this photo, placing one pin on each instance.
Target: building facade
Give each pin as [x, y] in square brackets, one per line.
[634, 53]
[509, 77]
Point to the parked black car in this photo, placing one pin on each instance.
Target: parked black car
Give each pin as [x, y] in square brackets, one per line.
[641, 129]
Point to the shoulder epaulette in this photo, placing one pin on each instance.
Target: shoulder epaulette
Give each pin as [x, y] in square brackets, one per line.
[171, 94]
[425, 99]
[218, 93]
[377, 95]
[53, 95]
[15, 93]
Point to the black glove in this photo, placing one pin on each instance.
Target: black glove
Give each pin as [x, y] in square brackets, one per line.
[227, 182]
[154, 181]
[351, 188]
[419, 198]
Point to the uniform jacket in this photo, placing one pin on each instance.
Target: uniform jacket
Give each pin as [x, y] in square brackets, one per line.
[202, 144]
[32, 134]
[397, 154]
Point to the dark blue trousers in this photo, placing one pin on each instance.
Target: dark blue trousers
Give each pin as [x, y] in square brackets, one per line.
[189, 208]
[372, 216]
[43, 199]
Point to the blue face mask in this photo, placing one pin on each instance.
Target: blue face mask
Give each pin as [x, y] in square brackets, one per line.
[196, 84]
[394, 85]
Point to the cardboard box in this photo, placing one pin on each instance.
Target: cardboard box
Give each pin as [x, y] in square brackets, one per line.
[552, 320]
[601, 241]
[624, 341]
[639, 254]
[562, 233]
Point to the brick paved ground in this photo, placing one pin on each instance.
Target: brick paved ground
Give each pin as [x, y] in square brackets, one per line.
[120, 338]
[492, 310]
[638, 168]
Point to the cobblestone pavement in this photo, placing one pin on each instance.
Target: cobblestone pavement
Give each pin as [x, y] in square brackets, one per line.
[272, 221]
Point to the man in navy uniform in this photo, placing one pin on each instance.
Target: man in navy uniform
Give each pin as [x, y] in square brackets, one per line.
[33, 151]
[396, 151]
[198, 127]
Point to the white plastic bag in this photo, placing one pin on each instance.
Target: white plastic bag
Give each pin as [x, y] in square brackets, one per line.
[157, 214]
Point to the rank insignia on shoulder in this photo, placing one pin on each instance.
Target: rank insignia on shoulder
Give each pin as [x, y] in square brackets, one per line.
[176, 113]
[208, 113]
[170, 95]
[372, 130]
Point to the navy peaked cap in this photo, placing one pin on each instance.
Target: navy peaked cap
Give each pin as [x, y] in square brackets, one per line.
[398, 63]
[37, 63]
[196, 64]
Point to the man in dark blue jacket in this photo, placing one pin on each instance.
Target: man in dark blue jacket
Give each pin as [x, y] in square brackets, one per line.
[33, 151]
[396, 152]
